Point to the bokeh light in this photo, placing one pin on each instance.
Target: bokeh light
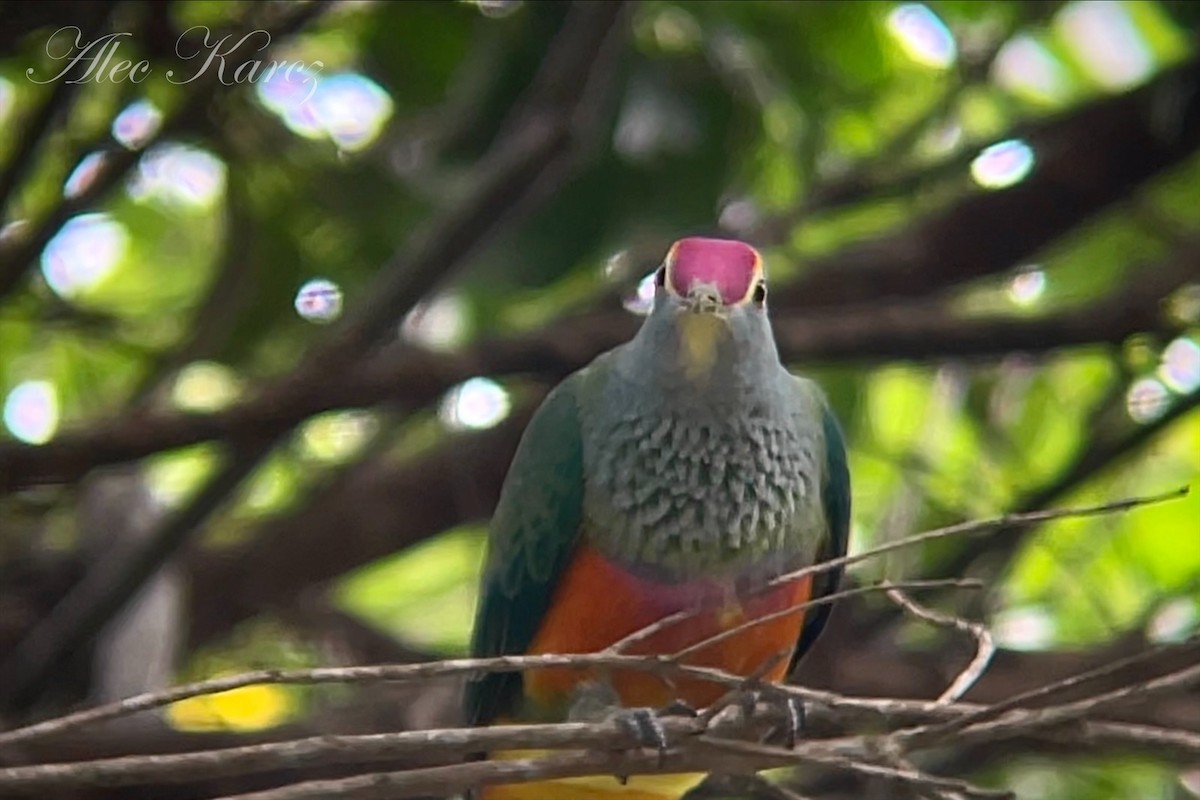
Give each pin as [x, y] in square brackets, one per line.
[1003, 164]
[922, 35]
[1180, 368]
[137, 124]
[82, 253]
[289, 94]
[1025, 67]
[1025, 628]
[8, 96]
[1146, 400]
[1103, 38]
[13, 231]
[83, 175]
[352, 109]
[319, 300]
[641, 300]
[475, 404]
[653, 122]
[205, 386]
[1183, 306]
[1174, 622]
[496, 9]
[179, 174]
[675, 30]
[1190, 781]
[439, 323]
[1027, 287]
[349, 109]
[31, 412]
[337, 435]
[739, 216]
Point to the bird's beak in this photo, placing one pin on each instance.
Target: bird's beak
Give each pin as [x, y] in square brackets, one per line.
[704, 299]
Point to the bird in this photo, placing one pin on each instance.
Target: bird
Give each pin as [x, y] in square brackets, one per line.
[681, 471]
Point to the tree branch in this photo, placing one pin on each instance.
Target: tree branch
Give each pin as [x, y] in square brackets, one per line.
[985, 647]
[694, 739]
[410, 378]
[509, 663]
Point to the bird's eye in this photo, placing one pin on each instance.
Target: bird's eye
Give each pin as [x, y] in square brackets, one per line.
[760, 293]
[660, 277]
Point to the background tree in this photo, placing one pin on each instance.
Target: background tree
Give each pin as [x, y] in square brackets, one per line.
[268, 337]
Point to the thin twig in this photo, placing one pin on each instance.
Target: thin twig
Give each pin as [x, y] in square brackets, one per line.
[328, 750]
[752, 680]
[623, 644]
[1021, 721]
[391, 673]
[940, 731]
[963, 528]
[985, 648]
[1023, 519]
[682, 731]
[855, 763]
[144, 702]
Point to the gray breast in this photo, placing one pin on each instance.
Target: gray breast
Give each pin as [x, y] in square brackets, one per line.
[701, 494]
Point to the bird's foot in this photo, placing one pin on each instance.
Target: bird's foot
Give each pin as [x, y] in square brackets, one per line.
[597, 701]
[789, 710]
[645, 725]
[793, 723]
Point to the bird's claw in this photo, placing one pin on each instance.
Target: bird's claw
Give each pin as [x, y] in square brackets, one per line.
[791, 709]
[794, 721]
[643, 725]
[678, 708]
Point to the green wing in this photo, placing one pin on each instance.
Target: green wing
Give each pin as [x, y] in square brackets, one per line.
[835, 500]
[533, 533]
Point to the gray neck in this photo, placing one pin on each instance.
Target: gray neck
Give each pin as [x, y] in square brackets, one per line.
[746, 363]
[692, 476]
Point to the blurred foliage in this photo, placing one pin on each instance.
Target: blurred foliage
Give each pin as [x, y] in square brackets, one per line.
[729, 110]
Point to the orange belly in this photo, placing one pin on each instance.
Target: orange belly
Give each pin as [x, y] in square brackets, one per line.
[598, 603]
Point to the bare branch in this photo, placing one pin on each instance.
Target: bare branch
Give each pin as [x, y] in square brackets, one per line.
[985, 648]
[655, 663]
[411, 377]
[833, 597]
[1021, 520]
[854, 763]
[1102, 450]
[941, 731]
[855, 753]
[1019, 721]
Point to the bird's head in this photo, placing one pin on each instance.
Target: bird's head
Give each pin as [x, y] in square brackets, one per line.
[711, 297]
[713, 276]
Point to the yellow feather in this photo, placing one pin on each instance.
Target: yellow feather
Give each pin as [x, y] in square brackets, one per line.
[700, 335]
[592, 787]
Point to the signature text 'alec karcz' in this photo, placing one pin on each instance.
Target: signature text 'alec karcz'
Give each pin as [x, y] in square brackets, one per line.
[100, 60]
